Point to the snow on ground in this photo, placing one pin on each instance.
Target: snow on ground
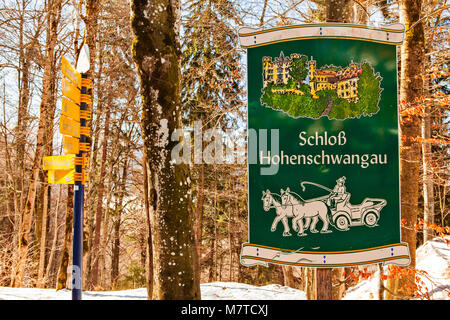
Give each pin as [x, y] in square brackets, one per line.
[210, 291]
[242, 291]
[52, 294]
[433, 257]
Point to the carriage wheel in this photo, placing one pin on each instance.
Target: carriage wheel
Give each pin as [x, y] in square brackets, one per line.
[341, 223]
[370, 219]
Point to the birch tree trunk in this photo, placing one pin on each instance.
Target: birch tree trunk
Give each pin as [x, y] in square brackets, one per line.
[156, 53]
[427, 167]
[428, 185]
[310, 279]
[411, 87]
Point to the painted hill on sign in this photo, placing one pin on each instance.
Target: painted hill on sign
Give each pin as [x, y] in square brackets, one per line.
[295, 86]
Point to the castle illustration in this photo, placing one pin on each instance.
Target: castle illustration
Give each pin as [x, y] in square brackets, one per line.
[277, 72]
[344, 81]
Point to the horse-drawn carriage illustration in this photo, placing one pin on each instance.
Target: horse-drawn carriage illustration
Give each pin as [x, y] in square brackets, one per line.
[332, 209]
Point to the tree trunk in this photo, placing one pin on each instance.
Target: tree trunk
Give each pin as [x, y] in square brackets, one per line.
[149, 269]
[61, 280]
[199, 210]
[339, 10]
[22, 120]
[428, 185]
[428, 181]
[55, 237]
[411, 87]
[54, 8]
[115, 251]
[338, 275]
[22, 112]
[380, 282]
[116, 237]
[156, 53]
[43, 235]
[324, 285]
[230, 242]
[214, 247]
[310, 283]
[106, 235]
[213, 261]
[101, 189]
[288, 276]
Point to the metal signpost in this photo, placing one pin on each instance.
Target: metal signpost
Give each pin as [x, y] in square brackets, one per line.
[323, 146]
[70, 168]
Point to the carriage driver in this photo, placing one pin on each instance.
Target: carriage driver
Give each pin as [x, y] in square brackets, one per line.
[338, 193]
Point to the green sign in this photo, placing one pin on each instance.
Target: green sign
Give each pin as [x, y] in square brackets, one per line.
[323, 146]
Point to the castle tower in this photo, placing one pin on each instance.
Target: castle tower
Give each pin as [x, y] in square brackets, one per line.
[267, 62]
[312, 74]
[267, 71]
[312, 69]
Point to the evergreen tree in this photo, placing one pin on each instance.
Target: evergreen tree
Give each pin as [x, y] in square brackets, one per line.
[212, 92]
[211, 63]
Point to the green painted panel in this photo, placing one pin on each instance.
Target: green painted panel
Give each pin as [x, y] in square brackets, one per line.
[366, 120]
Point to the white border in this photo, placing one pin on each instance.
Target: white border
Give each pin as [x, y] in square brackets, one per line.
[398, 254]
[389, 34]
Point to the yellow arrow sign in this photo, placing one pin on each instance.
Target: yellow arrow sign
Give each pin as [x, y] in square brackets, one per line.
[70, 109]
[70, 91]
[71, 144]
[65, 162]
[66, 176]
[69, 127]
[61, 176]
[69, 71]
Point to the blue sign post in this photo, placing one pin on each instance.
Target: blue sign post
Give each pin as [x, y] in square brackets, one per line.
[78, 209]
[77, 244]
